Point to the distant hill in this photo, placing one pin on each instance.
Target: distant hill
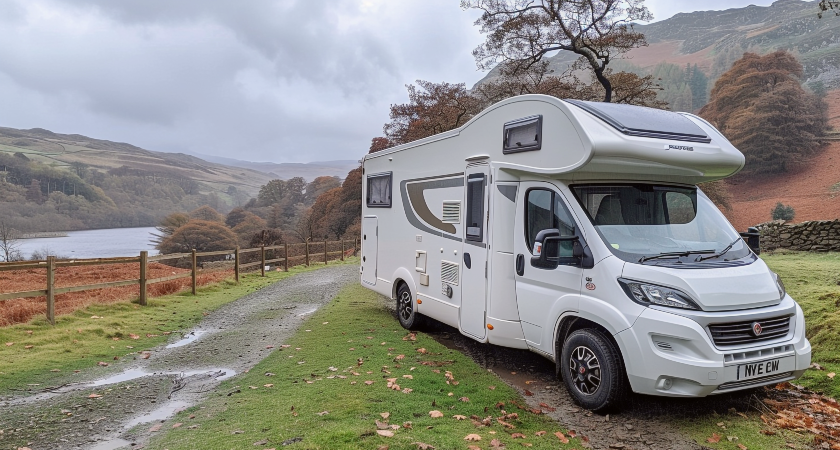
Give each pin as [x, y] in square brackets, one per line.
[715, 39]
[284, 171]
[63, 150]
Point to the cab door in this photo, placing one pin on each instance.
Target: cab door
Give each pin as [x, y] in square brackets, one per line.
[541, 292]
[474, 253]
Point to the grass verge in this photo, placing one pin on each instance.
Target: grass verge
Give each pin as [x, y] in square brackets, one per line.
[330, 386]
[42, 355]
[812, 279]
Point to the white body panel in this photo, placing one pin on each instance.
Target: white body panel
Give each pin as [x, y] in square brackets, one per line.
[422, 239]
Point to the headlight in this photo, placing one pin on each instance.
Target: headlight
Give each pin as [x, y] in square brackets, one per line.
[651, 294]
[780, 286]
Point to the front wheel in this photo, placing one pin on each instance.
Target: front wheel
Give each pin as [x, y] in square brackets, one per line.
[407, 314]
[593, 370]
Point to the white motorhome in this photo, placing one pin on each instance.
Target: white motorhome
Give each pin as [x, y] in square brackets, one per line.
[575, 229]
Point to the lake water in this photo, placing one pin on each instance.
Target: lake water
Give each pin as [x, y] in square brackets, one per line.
[108, 243]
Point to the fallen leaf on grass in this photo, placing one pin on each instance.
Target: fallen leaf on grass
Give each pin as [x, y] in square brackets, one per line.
[435, 414]
[28, 347]
[134, 336]
[517, 436]
[472, 438]
[528, 393]
[368, 382]
[268, 385]
[323, 413]
[830, 375]
[155, 428]
[547, 408]
[540, 433]
[459, 417]
[145, 355]
[714, 439]
[562, 437]
[492, 388]
[385, 415]
[102, 363]
[399, 357]
[177, 425]
[237, 432]
[410, 337]
[423, 446]
[9, 344]
[410, 377]
[385, 433]
[94, 396]
[816, 366]
[464, 399]
[496, 444]
[742, 447]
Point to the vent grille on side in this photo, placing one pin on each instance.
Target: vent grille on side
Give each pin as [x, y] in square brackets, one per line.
[449, 272]
[451, 211]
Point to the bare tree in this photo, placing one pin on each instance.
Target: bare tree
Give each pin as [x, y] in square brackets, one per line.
[522, 32]
[9, 242]
[825, 5]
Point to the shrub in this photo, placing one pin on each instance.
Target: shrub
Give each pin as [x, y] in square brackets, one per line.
[783, 212]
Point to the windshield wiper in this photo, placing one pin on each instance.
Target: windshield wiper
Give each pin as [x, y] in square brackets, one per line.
[672, 254]
[717, 255]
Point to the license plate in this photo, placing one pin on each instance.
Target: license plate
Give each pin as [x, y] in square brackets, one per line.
[759, 369]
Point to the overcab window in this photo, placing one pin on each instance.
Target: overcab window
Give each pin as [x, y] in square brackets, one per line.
[379, 190]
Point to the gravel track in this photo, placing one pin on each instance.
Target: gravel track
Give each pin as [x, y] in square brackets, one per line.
[138, 393]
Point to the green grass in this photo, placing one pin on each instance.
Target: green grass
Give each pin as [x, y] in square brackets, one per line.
[812, 280]
[78, 342]
[319, 393]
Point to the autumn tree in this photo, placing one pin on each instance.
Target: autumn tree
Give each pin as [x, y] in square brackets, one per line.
[432, 108]
[168, 226]
[761, 107]
[378, 144]
[33, 192]
[272, 193]
[250, 225]
[201, 235]
[236, 216]
[523, 32]
[318, 186]
[207, 213]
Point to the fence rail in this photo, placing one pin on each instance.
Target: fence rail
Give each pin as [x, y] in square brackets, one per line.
[51, 264]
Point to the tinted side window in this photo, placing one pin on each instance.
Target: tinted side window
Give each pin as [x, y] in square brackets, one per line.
[475, 207]
[546, 210]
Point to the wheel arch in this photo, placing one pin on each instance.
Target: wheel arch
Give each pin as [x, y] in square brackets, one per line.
[570, 323]
[402, 275]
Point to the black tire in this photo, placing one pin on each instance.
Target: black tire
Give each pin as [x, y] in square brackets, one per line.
[593, 371]
[407, 313]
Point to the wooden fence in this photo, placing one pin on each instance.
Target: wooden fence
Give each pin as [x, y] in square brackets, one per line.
[307, 253]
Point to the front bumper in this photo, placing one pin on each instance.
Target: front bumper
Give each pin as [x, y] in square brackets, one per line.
[669, 354]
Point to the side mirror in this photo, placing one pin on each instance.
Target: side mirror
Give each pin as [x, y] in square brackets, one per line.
[753, 238]
[547, 246]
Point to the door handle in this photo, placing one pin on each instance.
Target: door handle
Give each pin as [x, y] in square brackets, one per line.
[467, 260]
[520, 264]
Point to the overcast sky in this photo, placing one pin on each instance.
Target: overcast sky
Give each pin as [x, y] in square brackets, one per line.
[259, 80]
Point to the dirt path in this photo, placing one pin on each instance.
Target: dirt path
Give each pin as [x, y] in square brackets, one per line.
[102, 413]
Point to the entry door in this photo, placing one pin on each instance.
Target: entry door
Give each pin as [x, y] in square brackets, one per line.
[370, 246]
[474, 253]
[541, 206]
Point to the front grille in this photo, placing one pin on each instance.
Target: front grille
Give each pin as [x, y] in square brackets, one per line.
[740, 333]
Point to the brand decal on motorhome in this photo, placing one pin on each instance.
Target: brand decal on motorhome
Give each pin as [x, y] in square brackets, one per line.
[679, 147]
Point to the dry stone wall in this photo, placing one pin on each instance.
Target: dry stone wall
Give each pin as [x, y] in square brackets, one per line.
[814, 236]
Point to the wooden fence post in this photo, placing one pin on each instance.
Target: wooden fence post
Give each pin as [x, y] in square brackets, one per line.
[51, 289]
[236, 264]
[144, 261]
[262, 258]
[307, 252]
[342, 249]
[286, 256]
[194, 271]
[326, 255]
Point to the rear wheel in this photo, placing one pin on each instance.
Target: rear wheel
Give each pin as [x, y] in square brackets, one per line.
[593, 370]
[407, 313]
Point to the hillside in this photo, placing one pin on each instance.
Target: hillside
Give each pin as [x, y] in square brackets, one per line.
[713, 40]
[814, 191]
[284, 171]
[64, 150]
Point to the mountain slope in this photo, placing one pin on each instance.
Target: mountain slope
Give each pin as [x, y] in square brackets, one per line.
[65, 150]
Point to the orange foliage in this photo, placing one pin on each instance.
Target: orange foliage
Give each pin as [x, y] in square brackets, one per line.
[24, 309]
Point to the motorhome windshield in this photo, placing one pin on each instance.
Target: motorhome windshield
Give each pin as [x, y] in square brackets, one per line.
[658, 224]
